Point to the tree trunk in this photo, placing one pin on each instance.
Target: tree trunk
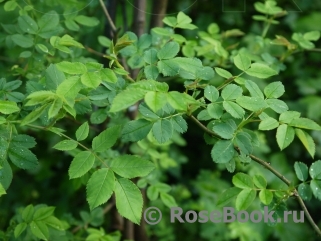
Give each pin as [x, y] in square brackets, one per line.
[159, 11]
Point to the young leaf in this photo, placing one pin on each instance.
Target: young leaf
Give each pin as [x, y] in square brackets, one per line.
[274, 90]
[231, 92]
[34, 115]
[66, 145]
[244, 199]
[82, 132]
[54, 108]
[242, 180]
[81, 164]
[288, 116]
[211, 93]
[234, 109]
[268, 124]
[155, 100]
[43, 213]
[261, 71]
[254, 89]
[223, 151]
[227, 196]
[315, 170]
[162, 130]
[19, 229]
[278, 106]
[127, 98]
[108, 76]
[106, 139]
[215, 110]
[136, 130]
[301, 171]
[223, 73]
[151, 72]
[100, 186]
[259, 181]
[168, 51]
[305, 123]
[168, 200]
[8, 107]
[242, 61]
[306, 140]
[251, 103]
[266, 196]
[27, 213]
[284, 136]
[129, 200]
[131, 166]
[39, 229]
[72, 68]
[91, 79]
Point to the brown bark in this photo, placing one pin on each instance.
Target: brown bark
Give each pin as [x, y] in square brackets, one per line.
[139, 17]
[158, 11]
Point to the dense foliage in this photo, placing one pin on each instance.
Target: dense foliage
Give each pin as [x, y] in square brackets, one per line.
[95, 129]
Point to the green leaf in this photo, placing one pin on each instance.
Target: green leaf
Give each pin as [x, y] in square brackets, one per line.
[100, 187]
[259, 181]
[168, 51]
[223, 73]
[211, 93]
[316, 188]
[278, 106]
[150, 56]
[55, 108]
[82, 132]
[242, 180]
[27, 24]
[104, 41]
[284, 136]
[223, 151]
[152, 193]
[242, 61]
[178, 100]
[155, 100]
[136, 130]
[106, 139]
[43, 213]
[27, 213]
[66, 145]
[231, 92]
[108, 76]
[168, 200]
[254, 89]
[151, 72]
[305, 123]
[312, 35]
[301, 171]
[179, 124]
[54, 78]
[274, 90]
[87, 21]
[288, 116]
[69, 87]
[168, 67]
[10, 5]
[91, 79]
[8, 107]
[224, 130]
[2, 190]
[48, 22]
[22, 157]
[243, 141]
[261, 71]
[244, 199]
[251, 103]
[42, 47]
[305, 191]
[129, 200]
[127, 98]
[227, 196]
[72, 68]
[315, 170]
[81, 164]
[19, 229]
[266, 196]
[39, 229]
[215, 110]
[306, 140]
[268, 124]
[234, 109]
[129, 166]
[162, 130]
[22, 40]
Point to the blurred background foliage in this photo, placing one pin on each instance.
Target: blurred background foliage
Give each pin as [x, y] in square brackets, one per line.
[197, 181]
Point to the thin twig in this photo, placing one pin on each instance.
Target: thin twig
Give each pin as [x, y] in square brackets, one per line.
[111, 23]
[271, 169]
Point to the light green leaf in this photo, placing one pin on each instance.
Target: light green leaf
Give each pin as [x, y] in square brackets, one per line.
[24, 41]
[168, 67]
[19, 229]
[127, 98]
[150, 56]
[312, 35]
[69, 87]
[268, 124]
[100, 187]
[27, 213]
[2, 190]
[107, 75]
[278, 106]
[266, 196]
[91, 79]
[10, 6]
[254, 89]
[306, 140]
[284, 136]
[168, 200]
[129, 166]
[82, 132]
[242, 61]
[151, 72]
[305, 191]
[72, 68]
[259, 181]
[8, 107]
[251, 103]
[27, 24]
[162, 130]
[316, 188]
[288, 116]
[129, 200]
[81, 164]
[215, 110]
[234, 109]
[54, 78]
[22, 157]
[223, 151]
[301, 171]
[305, 123]
[39, 229]
[211, 93]
[224, 130]
[66, 145]
[136, 130]
[54, 108]
[223, 73]
[243, 141]
[274, 90]
[155, 100]
[86, 21]
[242, 180]
[315, 170]
[227, 196]
[168, 51]
[244, 199]
[43, 213]
[179, 124]
[231, 92]
[35, 114]
[106, 139]
[261, 71]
